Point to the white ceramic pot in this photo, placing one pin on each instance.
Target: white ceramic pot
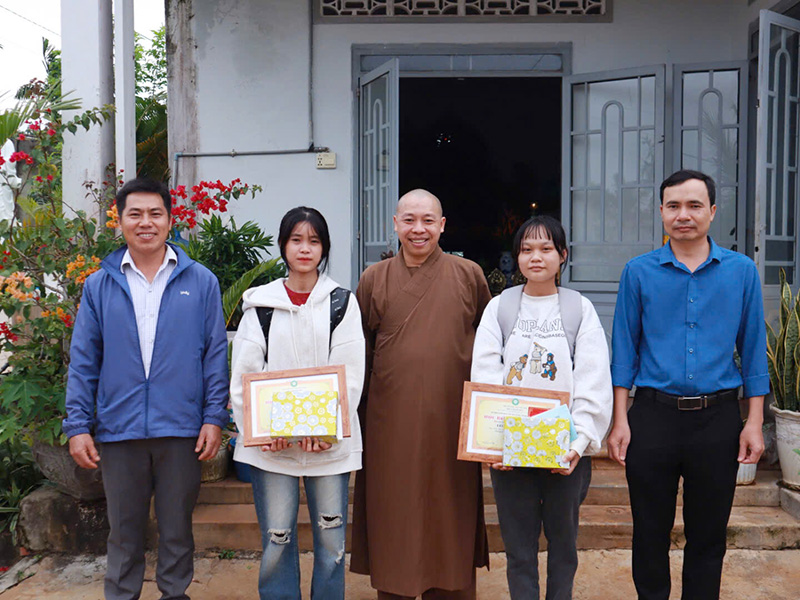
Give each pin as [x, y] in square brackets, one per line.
[746, 474]
[787, 429]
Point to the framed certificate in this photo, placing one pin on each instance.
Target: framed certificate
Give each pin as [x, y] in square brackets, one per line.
[483, 410]
[259, 389]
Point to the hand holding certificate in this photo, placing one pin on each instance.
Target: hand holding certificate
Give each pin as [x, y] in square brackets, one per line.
[484, 410]
[296, 404]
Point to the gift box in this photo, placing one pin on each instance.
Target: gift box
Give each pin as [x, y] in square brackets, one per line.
[538, 441]
[300, 414]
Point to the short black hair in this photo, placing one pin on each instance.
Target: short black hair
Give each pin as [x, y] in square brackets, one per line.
[304, 214]
[534, 227]
[148, 186]
[679, 177]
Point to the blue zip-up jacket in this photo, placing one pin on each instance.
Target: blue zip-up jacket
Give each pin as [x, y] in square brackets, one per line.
[107, 391]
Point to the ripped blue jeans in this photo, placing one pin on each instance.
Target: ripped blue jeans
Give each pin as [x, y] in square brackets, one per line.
[277, 499]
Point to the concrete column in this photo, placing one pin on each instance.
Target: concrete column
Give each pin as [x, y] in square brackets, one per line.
[87, 72]
[125, 88]
[182, 86]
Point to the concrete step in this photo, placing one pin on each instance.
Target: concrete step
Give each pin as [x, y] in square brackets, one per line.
[234, 526]
[608, 488]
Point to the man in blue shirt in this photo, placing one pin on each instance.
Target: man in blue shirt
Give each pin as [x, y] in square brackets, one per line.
[681, 312]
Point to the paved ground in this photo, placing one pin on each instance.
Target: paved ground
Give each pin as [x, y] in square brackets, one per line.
[602, 575]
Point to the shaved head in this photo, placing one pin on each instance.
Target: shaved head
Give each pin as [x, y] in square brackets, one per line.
[419, 196]
[418, 223]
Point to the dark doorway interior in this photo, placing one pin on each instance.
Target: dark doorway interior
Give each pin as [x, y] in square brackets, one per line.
[489, 148]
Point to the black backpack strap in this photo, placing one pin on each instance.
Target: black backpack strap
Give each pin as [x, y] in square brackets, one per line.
[339, 299]
[265, 318]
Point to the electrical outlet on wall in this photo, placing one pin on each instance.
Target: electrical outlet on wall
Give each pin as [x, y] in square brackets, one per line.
[326, 160]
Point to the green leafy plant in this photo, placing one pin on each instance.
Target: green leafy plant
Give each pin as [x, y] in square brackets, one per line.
[783, 351]
[150, 60]
[234, 255]
[18, 477]
[46, 252]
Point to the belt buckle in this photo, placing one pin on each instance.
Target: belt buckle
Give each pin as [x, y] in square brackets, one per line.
[703, 404]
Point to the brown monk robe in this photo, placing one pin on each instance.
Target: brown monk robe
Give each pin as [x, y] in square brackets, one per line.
[418, 524]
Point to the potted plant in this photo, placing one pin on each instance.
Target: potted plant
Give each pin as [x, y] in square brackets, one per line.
[783, 360]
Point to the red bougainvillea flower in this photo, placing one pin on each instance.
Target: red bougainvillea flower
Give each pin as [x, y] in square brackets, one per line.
[21, 137]
[21, 156]
[35, 126]
[49, 178]
[39, 178]
[51, 132]
[6, 332]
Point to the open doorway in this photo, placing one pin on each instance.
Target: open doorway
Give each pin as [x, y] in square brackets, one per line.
[490, 149]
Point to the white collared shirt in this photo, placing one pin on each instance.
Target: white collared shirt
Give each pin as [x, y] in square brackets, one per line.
[147, 300]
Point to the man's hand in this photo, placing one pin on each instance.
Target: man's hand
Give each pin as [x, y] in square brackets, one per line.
[83, 451]
[618, 440]
[572, 457]
[751, 443]
[208, 441]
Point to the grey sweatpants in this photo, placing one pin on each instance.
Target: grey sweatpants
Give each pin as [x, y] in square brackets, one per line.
[132, 472]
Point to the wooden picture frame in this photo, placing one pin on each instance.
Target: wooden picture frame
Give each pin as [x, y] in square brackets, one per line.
[259, 388]
[483, 410]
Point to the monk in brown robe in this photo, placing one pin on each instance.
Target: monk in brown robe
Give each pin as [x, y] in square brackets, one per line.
[418, 526]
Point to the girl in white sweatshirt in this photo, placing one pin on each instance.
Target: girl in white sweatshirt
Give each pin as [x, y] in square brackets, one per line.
[300, 336]
[537, 355]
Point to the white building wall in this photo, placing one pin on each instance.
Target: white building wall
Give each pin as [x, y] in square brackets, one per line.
[252, 85]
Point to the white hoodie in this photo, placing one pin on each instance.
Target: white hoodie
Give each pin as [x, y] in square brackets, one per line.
[299, 337]
[536, 355]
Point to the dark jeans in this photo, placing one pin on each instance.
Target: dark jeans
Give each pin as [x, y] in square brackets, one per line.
[132, 472]
[701, 446]
[527, 499]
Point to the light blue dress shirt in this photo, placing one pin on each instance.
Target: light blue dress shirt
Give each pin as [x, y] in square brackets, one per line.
[676, 331]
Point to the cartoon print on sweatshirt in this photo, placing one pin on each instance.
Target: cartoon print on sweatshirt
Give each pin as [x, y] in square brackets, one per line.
[516, 369]
[536, 357]
[550, 368]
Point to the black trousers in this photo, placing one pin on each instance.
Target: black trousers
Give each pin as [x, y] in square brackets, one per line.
[134, 471]
[701, 446]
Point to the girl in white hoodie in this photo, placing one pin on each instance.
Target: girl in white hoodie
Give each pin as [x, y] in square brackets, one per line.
[537, 355]
[300, 336]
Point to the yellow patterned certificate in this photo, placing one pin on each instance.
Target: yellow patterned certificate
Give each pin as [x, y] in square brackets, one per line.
[484, 410]
[537, 441]
[260, 389]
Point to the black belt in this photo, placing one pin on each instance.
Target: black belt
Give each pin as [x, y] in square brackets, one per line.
[688, 402]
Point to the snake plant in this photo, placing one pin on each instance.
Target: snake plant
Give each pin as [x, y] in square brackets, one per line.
[783, 351]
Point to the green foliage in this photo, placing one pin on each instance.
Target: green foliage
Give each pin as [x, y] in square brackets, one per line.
[45, 256]
[18, 477]
[234, 255]
[263, 272]
[783, 351]
[152, 152]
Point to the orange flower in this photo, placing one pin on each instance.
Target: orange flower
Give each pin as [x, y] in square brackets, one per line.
[11, 285]
[113, 217]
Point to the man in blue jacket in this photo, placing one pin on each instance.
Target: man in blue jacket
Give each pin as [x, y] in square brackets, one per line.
[148, 378]
[682, 311]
